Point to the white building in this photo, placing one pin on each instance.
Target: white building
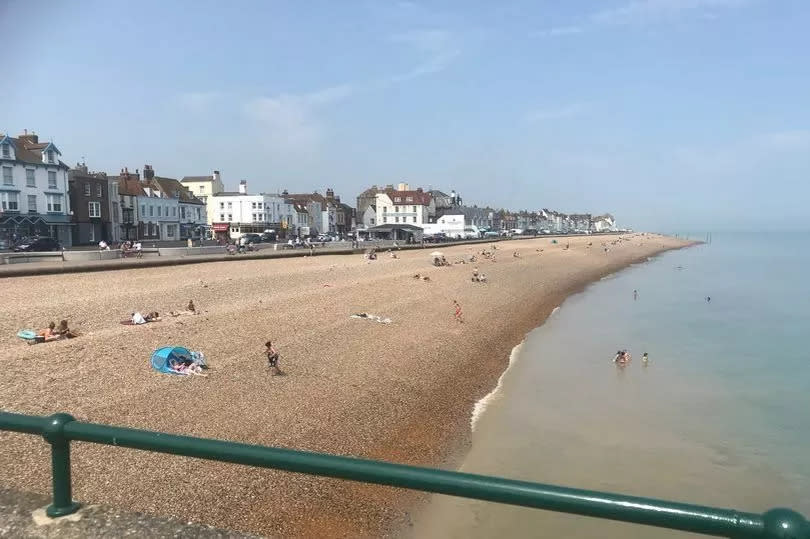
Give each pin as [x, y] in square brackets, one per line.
[33, 189]
[403, 205]
[237, 213]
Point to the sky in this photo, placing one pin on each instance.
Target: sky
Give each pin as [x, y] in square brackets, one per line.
[673, 115]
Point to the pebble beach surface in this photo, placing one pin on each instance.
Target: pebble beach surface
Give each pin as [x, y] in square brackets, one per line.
[401, 392]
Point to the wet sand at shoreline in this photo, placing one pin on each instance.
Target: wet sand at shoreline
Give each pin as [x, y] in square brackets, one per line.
[400, 392]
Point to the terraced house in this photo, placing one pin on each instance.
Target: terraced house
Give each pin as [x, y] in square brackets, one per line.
[33, 190]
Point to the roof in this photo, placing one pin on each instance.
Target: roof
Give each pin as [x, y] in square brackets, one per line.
[129, 186]
[417, 197]
[169, 186]
[307, 197]
[197, 179]
[31, 152]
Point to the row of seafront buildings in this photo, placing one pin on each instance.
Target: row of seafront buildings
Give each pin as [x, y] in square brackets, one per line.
[435, 211]
[41, 195]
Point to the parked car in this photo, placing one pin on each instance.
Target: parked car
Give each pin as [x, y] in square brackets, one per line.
[38, 244]
[268, 237]
[491, 234]
[3, 244]
[247, 239]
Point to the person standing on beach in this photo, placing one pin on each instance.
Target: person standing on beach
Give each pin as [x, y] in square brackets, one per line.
[272, 357]
[635, 295]
[458, 314]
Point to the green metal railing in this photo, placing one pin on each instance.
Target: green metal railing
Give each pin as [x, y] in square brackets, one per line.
[60, 429]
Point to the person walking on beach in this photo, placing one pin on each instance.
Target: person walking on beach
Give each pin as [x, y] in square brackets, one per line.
[708, 299]
[272, 357]
[458, 314]
[635, 295]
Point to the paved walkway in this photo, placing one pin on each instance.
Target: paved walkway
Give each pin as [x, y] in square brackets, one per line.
[22, 515]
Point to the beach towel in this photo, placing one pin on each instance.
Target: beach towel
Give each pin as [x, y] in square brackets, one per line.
[373, 317]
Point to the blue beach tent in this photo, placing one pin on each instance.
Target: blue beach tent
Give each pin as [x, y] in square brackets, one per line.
[161, 357]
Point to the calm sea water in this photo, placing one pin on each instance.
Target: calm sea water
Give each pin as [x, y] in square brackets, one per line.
[720, 415]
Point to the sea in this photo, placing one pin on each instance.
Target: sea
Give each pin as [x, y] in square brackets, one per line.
[719, 415]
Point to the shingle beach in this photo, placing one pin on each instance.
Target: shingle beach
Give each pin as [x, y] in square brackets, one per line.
[401, 392]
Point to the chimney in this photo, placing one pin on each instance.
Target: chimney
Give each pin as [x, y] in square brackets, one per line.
[403, 187]
[418, 189]
[216, 176]
[148, 173]
[243, 187]
[337, 199]
[28, 139]
[330, 194]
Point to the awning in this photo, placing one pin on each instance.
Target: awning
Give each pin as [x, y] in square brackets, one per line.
[221, 227]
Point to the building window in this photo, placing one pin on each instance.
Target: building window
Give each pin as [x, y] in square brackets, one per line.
[221, 217]
[414, 209]
[54, 203]
[143, 209]
[396, 209]
[385, 209]
[30, 180]
[230, 205]
[397, 199]
[230, 217]
[221, 205]
[32, 203]
[174, 212]
[98, 190]
[170, 230]
[151, 211]
[198, 214]
[182, 212]
[8, 201]
[253, 206]
[396, 219]
[6, 151]
[414, 218]
[50, 156]
[385, 219]
[91, 234]
[87, 189]
[202, 189]
[8, 179]
[94, 209]
[261, 205]
[408, 199]
[51, 179]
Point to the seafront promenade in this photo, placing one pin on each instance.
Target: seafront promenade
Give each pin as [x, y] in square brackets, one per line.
[400, 392]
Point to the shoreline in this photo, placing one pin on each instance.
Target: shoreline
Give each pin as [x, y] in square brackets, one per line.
[405, 401]
[459, 455]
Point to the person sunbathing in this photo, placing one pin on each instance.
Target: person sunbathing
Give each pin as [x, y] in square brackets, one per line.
[154, 316]
[49, 333]
[64, 331]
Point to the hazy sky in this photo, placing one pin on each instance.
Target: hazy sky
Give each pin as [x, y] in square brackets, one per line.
[672, 114]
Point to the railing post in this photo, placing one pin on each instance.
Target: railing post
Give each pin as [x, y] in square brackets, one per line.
[54, 434]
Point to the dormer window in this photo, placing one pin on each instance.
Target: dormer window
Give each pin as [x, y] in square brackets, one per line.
[6, 151]
[177, 194]
[50, 156]
[408, 199]
[397, 199]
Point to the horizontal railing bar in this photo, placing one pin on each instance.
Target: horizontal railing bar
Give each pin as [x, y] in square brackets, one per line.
[685, 517]
[30, 424]
[638, 510]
